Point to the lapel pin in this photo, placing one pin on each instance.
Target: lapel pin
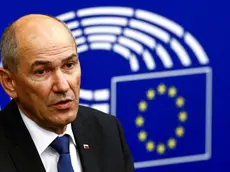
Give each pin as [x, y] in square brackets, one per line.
[85, 146]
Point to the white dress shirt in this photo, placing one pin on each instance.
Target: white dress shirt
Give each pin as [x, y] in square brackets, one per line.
[43, 138]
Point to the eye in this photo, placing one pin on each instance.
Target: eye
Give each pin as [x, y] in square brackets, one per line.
[69, 65]
[41, 71]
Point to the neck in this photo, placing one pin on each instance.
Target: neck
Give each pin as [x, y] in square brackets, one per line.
[59, 130]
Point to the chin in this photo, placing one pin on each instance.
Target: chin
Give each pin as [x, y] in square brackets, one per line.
[65, 119]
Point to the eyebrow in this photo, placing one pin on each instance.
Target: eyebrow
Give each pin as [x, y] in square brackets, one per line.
[47, 63]
[71, 57]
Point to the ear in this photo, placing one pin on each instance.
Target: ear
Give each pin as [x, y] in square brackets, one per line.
[8, 83]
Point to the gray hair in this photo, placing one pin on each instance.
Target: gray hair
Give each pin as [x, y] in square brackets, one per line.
[8, 49]
[8, 46]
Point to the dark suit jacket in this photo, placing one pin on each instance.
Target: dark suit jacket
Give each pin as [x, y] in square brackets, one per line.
[108, 150]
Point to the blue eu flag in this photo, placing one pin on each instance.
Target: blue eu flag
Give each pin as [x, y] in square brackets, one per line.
[166, 116]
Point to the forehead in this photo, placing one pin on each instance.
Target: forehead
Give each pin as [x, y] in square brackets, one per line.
[54, 54]
[45, 41]
[44, 35]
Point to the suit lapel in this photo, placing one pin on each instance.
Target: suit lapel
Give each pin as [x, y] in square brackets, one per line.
[86, 145]
[22, 149]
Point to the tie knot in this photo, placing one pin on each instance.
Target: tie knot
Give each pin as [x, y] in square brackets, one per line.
[61, 144]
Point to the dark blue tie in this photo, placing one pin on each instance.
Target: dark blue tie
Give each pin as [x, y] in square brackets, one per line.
[61, 145]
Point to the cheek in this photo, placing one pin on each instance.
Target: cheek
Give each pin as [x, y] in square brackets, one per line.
[23, 90]
[79, 77]
[40, 91]
[75, 84]
[76, 78]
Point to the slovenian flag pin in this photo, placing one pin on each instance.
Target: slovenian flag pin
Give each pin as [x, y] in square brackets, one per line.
[85, 146]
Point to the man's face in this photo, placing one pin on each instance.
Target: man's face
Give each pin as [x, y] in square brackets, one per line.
[48, 79]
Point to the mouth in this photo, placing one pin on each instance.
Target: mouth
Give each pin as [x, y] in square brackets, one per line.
[64, 104]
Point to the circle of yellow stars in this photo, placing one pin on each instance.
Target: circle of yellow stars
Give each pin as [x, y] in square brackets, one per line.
[171, 143]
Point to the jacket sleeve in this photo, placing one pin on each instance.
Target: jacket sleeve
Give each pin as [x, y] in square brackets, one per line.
[128, 160]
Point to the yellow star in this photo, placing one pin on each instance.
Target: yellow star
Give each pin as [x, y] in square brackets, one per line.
[143, 106]
[150, 94]
[150, 146]
[179, 131]
[171, 143]
[183, 116]
[142, 136]
[172, 92]
[180, 102]
[140, 121]
[161, 148]
[161, 89]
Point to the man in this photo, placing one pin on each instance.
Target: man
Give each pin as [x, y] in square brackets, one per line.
[43, 128]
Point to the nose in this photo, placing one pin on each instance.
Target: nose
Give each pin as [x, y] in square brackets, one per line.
[60, 82]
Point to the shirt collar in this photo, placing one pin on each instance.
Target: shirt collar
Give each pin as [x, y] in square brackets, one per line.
[42, 138]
